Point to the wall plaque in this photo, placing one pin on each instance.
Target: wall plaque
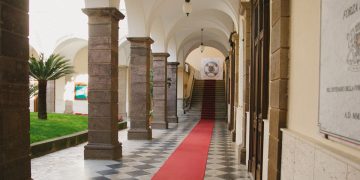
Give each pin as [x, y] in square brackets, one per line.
[212, 69]
[339, 106]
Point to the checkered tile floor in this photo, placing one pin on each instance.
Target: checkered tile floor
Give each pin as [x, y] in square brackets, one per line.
[144, 162]
[222, 162]
[142, 159]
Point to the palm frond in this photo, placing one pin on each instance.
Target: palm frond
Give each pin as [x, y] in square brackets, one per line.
[33, 90]
[52, 68]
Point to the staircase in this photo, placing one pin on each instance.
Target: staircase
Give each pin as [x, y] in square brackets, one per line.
[220, 99]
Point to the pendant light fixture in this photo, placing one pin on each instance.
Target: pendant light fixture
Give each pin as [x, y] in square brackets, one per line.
[202, 47]
[187, 7]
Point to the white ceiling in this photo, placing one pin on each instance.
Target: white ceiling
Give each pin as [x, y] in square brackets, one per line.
[165, 22]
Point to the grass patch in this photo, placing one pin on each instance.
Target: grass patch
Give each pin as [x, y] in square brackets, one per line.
[56, 125]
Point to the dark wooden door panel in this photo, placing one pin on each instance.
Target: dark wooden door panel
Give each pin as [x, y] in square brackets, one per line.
[259, 80]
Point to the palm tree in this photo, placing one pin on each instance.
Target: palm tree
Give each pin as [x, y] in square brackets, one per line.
[53, 68]
[33, 90]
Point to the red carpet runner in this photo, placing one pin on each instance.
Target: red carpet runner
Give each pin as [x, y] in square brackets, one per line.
[188, 162]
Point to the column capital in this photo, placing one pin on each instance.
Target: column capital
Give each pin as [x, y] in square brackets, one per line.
[244, 6]
[105, 11]
[235, 37]
[123, 66]
[140, 40]
[173, 63]
[165, 55]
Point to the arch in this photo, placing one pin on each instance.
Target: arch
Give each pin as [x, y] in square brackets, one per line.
[157, 33]
[70, 47]
[211, 38]
[124, 54]
[172, 50]
[159, 6]
[192, 46]
[195, 57]
[208, 19]
[212, 44]
[33, 52]
[137, 24]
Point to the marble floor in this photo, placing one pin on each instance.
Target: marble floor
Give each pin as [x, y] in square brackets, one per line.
[141, 159]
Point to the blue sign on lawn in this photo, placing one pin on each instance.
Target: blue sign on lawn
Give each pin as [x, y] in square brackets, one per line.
[81, 92]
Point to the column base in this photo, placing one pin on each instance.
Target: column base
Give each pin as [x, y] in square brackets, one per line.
[230, 127]
[159, 125]
[242, 155]
[68, 107]
[233, 136]
[142, 134]
[122, 116]
[173, 119]
[103, 151]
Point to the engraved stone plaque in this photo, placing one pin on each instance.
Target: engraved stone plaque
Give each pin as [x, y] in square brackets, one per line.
[339, 106]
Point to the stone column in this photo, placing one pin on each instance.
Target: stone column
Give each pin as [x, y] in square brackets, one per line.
[139, 94]
[279, 79]
[246, 12]
[234, 83]
[103, 84]
[122, 91]
[160, 91]
[231, 123]
[172, 92]
[14, 88]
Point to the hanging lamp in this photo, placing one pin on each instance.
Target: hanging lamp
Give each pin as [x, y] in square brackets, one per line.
[187, 7]
[202, 47]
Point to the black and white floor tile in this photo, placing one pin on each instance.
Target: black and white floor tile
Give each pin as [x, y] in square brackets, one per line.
[142, 159]
[222, 162]
[145, 161]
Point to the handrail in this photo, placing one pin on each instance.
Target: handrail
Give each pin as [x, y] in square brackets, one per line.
[189, 90]
[188, 103]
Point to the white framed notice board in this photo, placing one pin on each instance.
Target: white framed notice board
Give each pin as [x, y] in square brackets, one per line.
[339, 101]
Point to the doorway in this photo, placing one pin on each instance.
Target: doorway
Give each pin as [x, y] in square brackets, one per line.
[259, 83]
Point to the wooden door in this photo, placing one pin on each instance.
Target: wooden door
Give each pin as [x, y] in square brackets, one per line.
[259, 83]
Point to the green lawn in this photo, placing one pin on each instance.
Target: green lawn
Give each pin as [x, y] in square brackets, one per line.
[55, 126]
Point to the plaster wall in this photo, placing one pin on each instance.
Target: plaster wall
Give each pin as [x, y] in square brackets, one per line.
[303, 96]
[81, 76]
[59, 95]
[195, 57]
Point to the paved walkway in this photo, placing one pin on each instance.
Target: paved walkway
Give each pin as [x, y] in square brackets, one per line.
[141, 159]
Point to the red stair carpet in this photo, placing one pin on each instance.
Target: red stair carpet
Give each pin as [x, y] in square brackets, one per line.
[188, 162]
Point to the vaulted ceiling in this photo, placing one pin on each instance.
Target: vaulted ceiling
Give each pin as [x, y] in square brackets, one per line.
[174, 32]
[162, 20]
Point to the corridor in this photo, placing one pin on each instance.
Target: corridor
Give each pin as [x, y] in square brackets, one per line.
[141, 159]
[198, 133]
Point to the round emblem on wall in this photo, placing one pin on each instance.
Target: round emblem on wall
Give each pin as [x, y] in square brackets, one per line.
[353, 58]
[211, 69]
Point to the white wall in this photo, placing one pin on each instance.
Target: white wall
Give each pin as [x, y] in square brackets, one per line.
[59, 95]
[195, 57]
